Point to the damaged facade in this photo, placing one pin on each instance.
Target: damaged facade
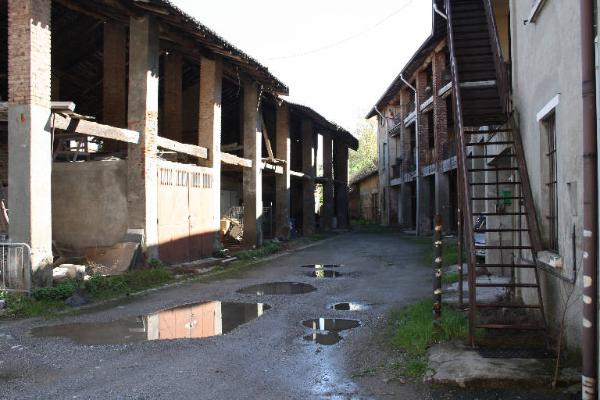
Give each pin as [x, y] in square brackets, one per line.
[130, 122]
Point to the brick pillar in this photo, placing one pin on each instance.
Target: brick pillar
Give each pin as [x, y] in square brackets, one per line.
[308, 185]
[424, 217]
[327, 214]
[282, 182]
[142, 116]
[173, 100]
[209, 132]
[252, 182]
[340, 156]
[442, 188]
[114, 78]
[29, 143]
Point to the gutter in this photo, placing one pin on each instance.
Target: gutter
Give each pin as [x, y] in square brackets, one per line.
[417, 178]
[590, 205]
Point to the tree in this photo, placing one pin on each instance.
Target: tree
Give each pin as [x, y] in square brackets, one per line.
[366, 156]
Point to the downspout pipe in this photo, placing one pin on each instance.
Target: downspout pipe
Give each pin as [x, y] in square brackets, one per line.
[590, 204]
[417, 178]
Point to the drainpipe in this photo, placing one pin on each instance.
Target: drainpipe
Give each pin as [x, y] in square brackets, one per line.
[418, 210]
[590, 204]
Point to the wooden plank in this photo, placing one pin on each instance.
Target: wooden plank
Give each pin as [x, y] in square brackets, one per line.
[230, 159]
[190, 149]
[91, 128]
[278, 169]
[266, 136]
[300, 175]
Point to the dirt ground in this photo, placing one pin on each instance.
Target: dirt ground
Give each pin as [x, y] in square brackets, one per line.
[265, 358]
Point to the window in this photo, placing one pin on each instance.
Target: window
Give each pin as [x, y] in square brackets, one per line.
[549, 124]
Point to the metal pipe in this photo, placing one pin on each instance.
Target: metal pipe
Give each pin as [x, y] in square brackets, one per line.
[417, 178]
[438, 11]
[590, 204]
[438, 264]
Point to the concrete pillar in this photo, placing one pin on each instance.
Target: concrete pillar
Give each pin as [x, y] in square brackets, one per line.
[114, 78]
[327, 213]
[442, 199]
[29, 143]
[340, 156]
[209, 132]
[282, 182]
[173, 98]
[309, 157]
[252, 182]
[142, 116]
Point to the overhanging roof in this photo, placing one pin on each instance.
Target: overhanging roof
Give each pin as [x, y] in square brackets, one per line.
[438, 31]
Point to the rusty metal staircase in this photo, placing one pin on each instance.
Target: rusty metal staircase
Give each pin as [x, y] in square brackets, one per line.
[493, 171]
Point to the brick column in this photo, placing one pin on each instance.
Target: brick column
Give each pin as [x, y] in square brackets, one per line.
[29, 143]
[114, 79]
[209, 132]
[327, 214]
[442, 182]
[142, 116]
[282, 182]
[173, 98]
[252, 182]
[308, 185]
[340, 156]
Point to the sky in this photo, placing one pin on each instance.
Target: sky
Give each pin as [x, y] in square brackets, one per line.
[336, 56]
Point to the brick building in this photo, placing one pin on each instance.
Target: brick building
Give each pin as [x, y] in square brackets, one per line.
[416, 140]
[132, 118]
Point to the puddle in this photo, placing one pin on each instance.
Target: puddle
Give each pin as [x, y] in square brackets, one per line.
[325, 338]
[324, 273]
[184, 322]
[275, 288]
[350, 306]
[331, 324]
[321, 266]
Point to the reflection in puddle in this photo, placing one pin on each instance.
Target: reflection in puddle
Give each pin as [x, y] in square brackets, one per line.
[320, 266]
[350, 307]
[184, 322]
[325, 330]
[278, 288]
[324, 273]
[325, 338]
[331, 324]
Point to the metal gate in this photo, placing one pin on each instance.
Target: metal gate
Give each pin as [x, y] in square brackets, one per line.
[15, 267]
[186, 228]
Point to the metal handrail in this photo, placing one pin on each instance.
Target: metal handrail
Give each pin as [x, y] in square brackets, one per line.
[499, 65]
[468, 220]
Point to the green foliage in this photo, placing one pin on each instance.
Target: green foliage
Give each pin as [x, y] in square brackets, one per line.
[56, 293]
[366, 156]
[415, 367]
[155, 263]
[449, 277]
[100, 287]
[413, 330]
[266, 249]
[22, 305]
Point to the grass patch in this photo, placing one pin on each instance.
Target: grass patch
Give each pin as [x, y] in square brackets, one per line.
[49, 301]
[450, 277]
[413, 332]
[266, 249]
[450, 250]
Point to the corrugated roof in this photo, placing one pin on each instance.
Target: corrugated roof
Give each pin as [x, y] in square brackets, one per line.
[364, 174]
[438, 31]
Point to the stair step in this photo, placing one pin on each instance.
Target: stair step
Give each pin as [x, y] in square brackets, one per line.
[499, 230]
[498, 213]
[503, 143]
[512, 327]
[492, 156]
[493, 183]
[508, 305]
[498, 198]
[492, 169]
[516, 266]
[504, 247]
[508, 285]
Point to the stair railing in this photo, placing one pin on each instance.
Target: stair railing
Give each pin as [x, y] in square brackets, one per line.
[502, 80]
[464, 177]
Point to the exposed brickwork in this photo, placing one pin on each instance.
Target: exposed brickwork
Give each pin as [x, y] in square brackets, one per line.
[439, 106]
[422, 120]
[29, 52]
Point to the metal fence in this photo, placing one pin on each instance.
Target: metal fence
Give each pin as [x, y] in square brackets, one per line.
[15, 267]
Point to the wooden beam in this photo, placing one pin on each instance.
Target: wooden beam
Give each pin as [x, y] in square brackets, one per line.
[278, 169]
[230, 159]
[300, 175]
[90, 128]
[190, 149]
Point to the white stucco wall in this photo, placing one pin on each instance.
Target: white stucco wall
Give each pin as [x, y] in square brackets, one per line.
[546, 62]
